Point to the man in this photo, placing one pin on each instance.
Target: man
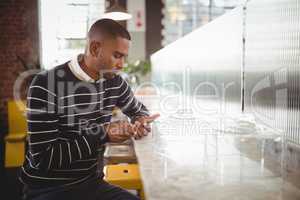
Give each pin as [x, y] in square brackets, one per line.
[69, 109]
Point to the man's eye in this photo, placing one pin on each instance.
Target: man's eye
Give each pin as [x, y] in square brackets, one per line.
[117, 56]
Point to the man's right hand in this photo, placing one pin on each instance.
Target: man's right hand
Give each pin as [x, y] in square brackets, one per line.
[120, 131]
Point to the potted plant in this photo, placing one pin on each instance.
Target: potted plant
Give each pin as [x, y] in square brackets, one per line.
[137, 71]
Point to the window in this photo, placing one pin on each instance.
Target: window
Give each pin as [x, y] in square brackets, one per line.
[183, 16]
[64, 25]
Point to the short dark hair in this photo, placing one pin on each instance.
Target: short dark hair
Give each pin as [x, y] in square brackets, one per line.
[108, 28]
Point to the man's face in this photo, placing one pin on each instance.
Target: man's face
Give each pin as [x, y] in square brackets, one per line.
[111, 57]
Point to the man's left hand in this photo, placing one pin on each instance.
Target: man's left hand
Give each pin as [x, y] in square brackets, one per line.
[142, 125]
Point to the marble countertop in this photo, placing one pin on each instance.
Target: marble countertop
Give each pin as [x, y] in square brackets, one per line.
[193, 158]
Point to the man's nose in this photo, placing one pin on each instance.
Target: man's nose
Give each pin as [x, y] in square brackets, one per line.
[120, 64]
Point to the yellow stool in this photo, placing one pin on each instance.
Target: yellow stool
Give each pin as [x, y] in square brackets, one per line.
[15, 140]
[14, 150]
[126, 176]
[16, 117]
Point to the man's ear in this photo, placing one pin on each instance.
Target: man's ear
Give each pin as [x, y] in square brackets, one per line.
[95, 48]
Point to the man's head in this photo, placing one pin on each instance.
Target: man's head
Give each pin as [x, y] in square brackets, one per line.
[107, 47]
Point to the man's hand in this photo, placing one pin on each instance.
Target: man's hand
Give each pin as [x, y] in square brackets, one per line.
[120, 131]
[142, 125]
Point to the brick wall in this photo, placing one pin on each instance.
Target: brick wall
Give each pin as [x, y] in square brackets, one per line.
[18, 37]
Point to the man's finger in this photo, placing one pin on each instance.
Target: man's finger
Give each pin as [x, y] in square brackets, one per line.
[129, 129]
[146, 126]
[142, 131]
[151, 118]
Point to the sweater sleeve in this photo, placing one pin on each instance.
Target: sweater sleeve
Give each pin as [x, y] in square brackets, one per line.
[129, 104]
[47, 149]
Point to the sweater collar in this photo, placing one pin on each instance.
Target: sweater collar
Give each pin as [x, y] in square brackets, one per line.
[78, 71]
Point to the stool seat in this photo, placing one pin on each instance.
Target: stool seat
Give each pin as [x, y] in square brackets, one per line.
[17, 137]
[15, 149]
[126, 176]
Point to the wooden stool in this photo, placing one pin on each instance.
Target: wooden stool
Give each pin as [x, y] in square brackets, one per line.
[126, 176]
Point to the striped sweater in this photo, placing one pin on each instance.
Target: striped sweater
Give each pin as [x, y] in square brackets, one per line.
[65, 125]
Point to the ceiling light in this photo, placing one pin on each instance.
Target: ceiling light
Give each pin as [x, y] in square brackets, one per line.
[117, 12]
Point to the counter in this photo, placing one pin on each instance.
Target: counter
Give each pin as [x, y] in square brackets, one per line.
[184, 158]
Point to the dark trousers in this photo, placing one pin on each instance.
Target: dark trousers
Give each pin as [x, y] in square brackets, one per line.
[89, 190]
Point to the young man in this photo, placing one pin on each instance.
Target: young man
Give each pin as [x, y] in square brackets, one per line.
[69, 109]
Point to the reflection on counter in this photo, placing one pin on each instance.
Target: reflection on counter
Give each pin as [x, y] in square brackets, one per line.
[228, 163]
